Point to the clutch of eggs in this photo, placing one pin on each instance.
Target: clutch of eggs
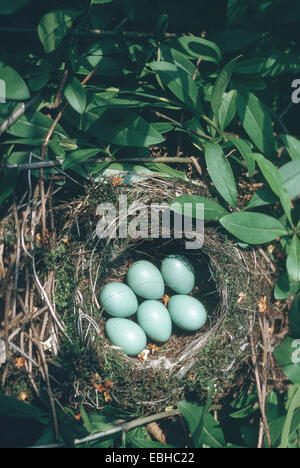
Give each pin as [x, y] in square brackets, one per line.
[154, 320]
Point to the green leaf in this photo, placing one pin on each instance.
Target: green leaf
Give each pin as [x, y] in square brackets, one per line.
[287, 354]
[100, 2]
[75, 94]
[166, 170]
[15, 86]
[253, 228]
[171, 55]
[294, 317]
[264, 196]
[244, 147]
[136, 442]
[285, 287]
[232, 40]
[15, 408]
[85, 419]
[161, 26]
[212, 434]
[274, 179]
[256, 121]
[249, 435]
[292, 145]
[98, 422]
[7, 184]
[276, 427]
[79, 156]
[284, 63]
[221, 173]
[7, 6]
[40, 76]
[227, 109]
[287, 427]
[54, 26]
[256, 65]
[162, 127]
[246, 411]
[35, 125]
[126, 128]
[179, 82]
[249, 82]
[212, 209]
[290, 175]
[272, 406]
[293, 260]
[194, 47]
[221, 84]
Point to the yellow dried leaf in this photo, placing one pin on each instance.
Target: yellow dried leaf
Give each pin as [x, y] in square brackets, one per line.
[262, 305]
[23, 396]
[19, 362]
[107, 396]
[165, 299]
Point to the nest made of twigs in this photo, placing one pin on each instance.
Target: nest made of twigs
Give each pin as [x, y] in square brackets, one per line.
[229, 280]
[53, 319]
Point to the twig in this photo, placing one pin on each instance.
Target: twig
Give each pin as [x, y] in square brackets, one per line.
[197, 67]
[47, 379]
[57, 100]
[197, 165]
[96, 32]
[179, 125]
[45, 164]
[261, 390]
[124, 427]
[17, 113]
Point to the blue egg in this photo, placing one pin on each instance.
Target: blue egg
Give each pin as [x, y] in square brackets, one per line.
[155, 320]
[118, 300]
[178, 273]
[127, 335]
[187, 312]
[145, 280]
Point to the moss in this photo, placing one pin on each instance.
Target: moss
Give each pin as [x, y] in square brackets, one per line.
[7, 234]
[17, 383]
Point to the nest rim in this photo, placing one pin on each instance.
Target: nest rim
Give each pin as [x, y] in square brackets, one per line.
[247, 263]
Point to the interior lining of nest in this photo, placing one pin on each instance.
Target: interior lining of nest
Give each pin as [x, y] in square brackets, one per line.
[182, 345]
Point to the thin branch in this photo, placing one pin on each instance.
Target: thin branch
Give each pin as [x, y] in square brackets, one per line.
[124, 427]
[261, 391]
[196, 71]
[45, 164]
[197, 165]
[188, 129]
[17, 113]
[57, 100]
[96, 32]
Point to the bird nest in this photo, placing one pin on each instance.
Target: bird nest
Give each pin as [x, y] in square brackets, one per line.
[59, 284]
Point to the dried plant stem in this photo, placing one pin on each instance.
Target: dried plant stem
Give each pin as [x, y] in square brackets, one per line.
[261, 391]
[57, 100]
[36, 341]
[121, 428]
[17, 113]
